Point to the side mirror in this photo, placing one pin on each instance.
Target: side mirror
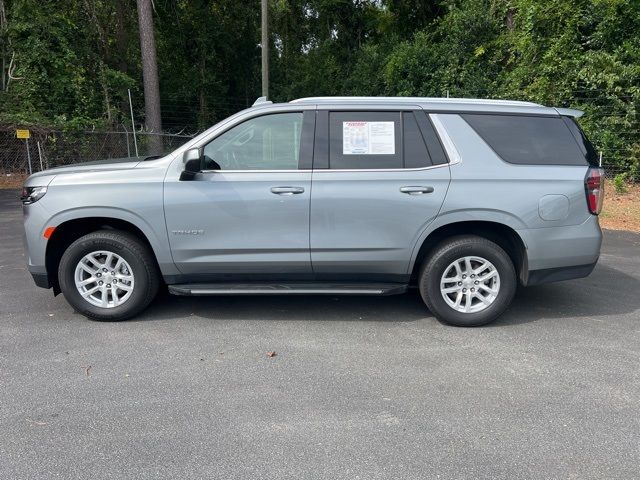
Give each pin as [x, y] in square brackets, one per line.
[192, 161]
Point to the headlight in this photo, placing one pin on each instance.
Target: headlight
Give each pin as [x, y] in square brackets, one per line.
[32, 194]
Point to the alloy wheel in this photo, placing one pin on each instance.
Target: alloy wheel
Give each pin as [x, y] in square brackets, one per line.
[104, 279]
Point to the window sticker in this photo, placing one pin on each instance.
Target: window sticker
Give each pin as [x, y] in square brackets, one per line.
[368, 138]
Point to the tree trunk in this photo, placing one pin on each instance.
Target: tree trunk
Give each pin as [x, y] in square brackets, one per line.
[4, 49]
[121, 46]
[153, 120]
[122, 36]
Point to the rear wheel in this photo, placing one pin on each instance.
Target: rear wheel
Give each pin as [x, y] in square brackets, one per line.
[468, 281]
[108, 275]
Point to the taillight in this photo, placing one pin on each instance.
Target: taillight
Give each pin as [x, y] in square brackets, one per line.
[594, 188]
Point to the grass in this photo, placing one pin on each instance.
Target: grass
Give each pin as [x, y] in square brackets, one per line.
[621, 211]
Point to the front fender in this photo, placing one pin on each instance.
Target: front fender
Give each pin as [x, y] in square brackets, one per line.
[157, 239]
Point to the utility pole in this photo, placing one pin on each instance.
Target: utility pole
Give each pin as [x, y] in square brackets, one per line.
[265, 49]
[133, 127]
[153, 120]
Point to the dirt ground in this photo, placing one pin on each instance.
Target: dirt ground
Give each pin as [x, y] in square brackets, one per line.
[620, 211]
[12, 180]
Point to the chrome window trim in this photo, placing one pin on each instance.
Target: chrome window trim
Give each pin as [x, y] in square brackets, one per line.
[332, 170]
[447, 142]
[256, 171]
[430, 167]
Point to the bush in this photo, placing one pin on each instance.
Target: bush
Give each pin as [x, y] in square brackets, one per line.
[620, 183]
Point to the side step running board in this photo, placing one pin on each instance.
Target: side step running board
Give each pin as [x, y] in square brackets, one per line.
[204, 289]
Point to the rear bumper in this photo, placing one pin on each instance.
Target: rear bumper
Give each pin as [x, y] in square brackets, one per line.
[566, 246]
[548, 275]
[561, 253]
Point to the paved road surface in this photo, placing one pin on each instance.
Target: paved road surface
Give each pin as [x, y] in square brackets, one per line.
[370, 388]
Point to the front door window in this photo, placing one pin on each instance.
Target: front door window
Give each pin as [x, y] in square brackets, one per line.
[270, 142]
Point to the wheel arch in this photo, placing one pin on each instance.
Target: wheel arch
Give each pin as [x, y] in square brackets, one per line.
[70, 230]
[503, 235]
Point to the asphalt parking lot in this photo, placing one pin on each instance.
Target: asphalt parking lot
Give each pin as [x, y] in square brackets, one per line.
[369, 388]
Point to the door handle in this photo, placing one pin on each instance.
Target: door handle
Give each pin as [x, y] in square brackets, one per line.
[287, 190]
[416, 190]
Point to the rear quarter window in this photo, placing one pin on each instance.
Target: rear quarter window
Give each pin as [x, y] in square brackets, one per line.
[587, 148]
[528, 140]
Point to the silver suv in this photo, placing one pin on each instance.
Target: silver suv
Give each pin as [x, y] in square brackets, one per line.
[462, 198]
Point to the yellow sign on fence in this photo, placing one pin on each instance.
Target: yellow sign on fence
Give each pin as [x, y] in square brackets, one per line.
[23, 134]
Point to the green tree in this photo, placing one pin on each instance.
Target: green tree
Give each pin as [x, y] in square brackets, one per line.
[73, 60]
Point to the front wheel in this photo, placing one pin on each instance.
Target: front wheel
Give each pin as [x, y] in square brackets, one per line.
[468, 281]
[108, 275]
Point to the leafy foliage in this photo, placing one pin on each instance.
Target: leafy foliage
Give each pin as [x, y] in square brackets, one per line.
[620, 183]
[73, 60]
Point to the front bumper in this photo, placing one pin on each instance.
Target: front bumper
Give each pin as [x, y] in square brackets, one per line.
[35, 218]
[41, 279]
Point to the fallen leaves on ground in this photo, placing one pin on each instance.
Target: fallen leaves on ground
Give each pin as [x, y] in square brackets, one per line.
[33, 422]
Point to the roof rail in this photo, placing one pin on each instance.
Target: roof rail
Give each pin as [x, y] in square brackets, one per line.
[261, 101]
[476, 101]
[570, 112]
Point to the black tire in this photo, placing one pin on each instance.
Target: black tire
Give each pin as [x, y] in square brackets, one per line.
[133, 251]
[448, 252]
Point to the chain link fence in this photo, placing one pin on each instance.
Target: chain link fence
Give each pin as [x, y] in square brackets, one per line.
[53, 148]
[611, 172]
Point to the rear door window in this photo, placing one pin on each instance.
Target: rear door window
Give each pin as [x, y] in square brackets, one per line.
[378, 140]
[365, 140]
[416, 154]
[529, 140]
